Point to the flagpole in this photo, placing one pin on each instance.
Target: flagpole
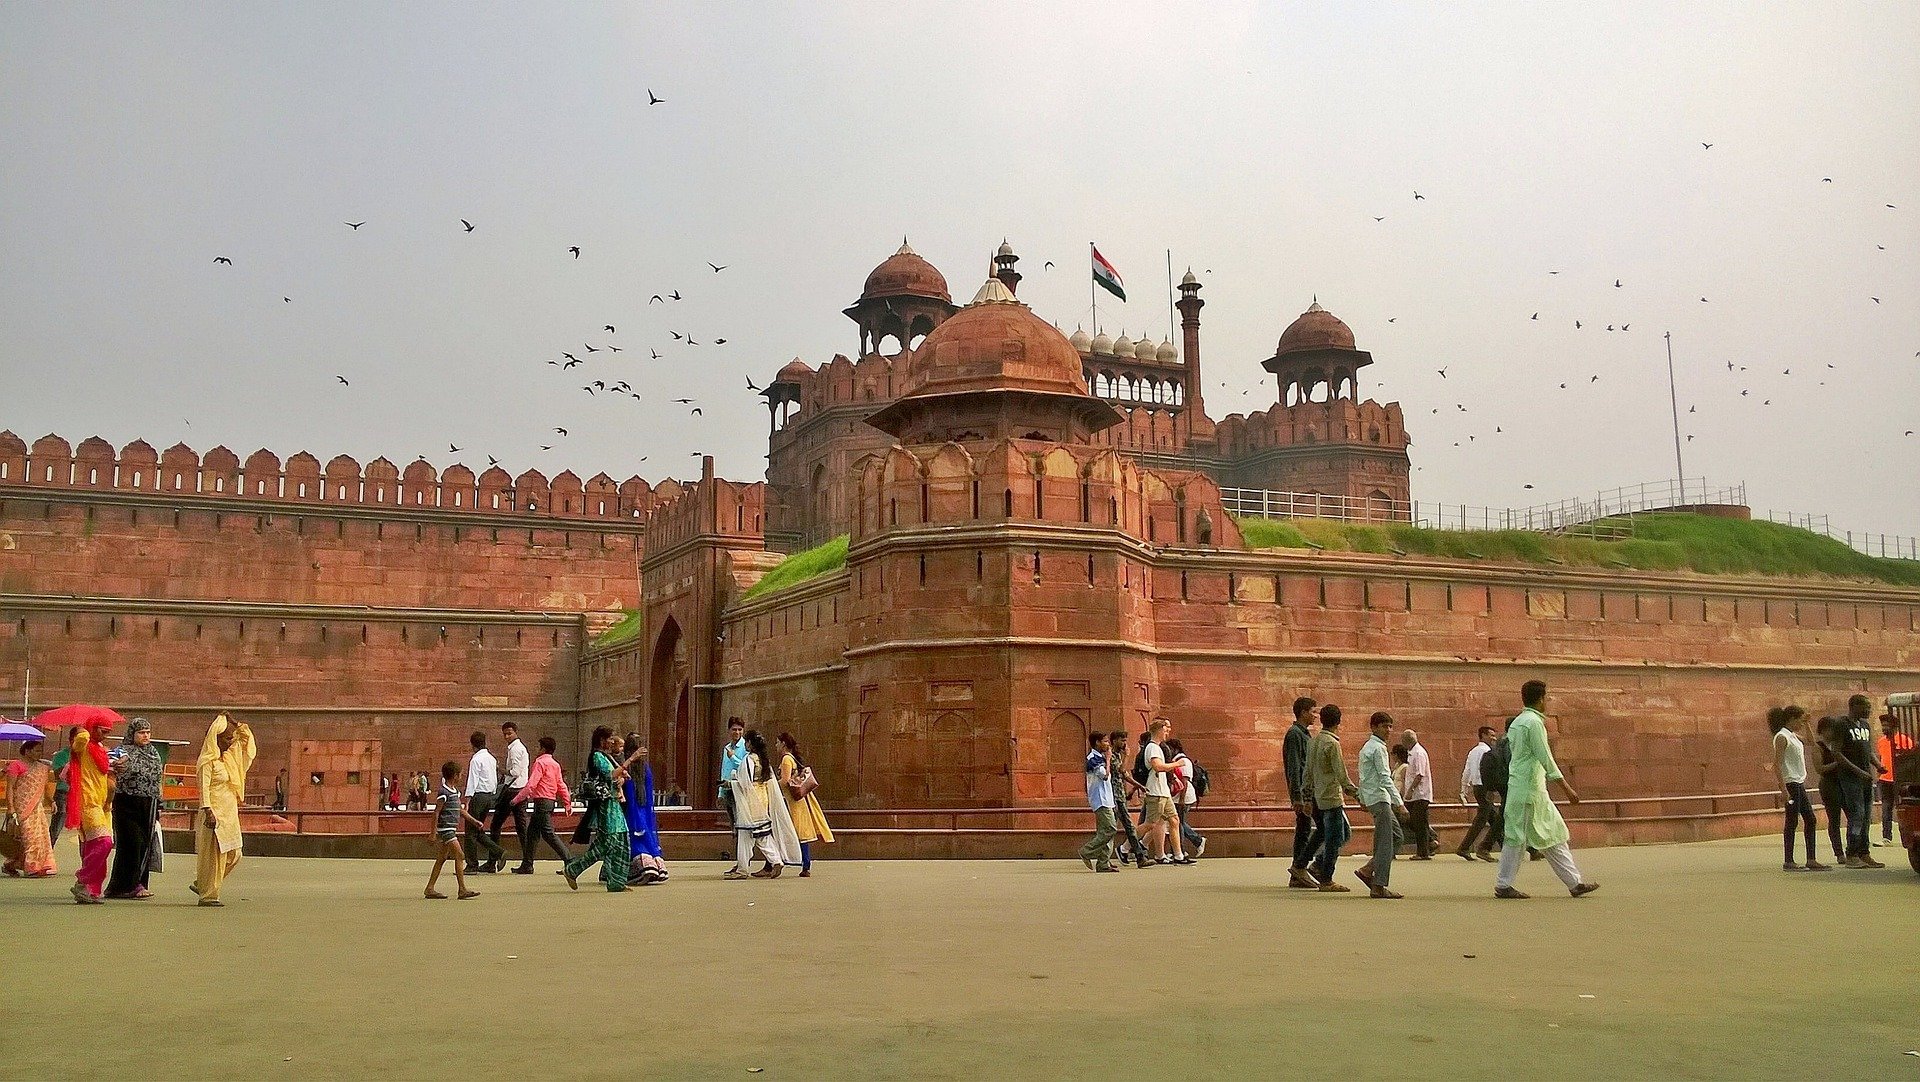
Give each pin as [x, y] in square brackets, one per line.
[1170, 335]
[1673, 396]
[1093, 290]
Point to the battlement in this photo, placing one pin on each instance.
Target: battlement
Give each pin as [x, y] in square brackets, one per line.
[95, 466]
[703, 508]
[1341, 420]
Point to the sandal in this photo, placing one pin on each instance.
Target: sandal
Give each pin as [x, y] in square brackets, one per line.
[465, 894]
[434, 894]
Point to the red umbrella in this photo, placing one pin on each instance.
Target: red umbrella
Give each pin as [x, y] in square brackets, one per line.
[77, 714]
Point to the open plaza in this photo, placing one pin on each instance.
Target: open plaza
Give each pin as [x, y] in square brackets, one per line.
[1699, 961]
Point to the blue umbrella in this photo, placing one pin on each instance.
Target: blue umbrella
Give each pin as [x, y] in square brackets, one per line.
[14, 730]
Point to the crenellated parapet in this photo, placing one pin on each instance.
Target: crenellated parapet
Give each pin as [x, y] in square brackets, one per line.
[219, 474]
[1036, 482]
[1341, 420]
[707, 507]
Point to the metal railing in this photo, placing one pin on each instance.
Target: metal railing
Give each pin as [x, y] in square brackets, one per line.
[1887, 546]
[1607, 516]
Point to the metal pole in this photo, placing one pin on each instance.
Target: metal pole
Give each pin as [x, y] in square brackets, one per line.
[1673, 396]
[1170, 332]
[1093, 291]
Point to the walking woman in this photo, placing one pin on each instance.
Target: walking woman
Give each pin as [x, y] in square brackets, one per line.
[760, 816]
[604, 822]
[89, 788]
[647, 866]
[225, 757]
[797, 784]
[28, 780]
[136, 808]
[1790, 763]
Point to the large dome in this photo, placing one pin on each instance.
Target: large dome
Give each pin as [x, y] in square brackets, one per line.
[1316, 328]
[905, 274]
[995, 343]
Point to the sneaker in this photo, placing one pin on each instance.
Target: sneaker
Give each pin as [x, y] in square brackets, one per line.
[523, 870]
[1853, 862]
[1816, 866]
[572, 883]
[1508, 892]
[1200, 848]
[1581, 890]
[1164, 860]
[734, 873]
[1869, 862]
[1183, 861]
[1789, 866]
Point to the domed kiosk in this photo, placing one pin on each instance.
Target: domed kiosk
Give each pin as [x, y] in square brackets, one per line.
[1316, 350]
[904, 298]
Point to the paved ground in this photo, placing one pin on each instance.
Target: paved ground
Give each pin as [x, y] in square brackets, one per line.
[1701, 961]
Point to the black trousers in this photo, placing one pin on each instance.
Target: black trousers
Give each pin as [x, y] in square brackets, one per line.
[1486, 817]
[503, 805]
[1888, 799]
[1418, 814]
[1306, 839]
[538, 830]
[132, 842]
[1124, 820]
[478, 806]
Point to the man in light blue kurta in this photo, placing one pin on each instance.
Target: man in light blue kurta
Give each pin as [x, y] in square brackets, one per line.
[1532, 820]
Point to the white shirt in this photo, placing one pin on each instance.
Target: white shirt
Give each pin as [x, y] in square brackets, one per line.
[482, 777]
[517, 765]
[1157, 784]
[1470, 777]
[1419, 774]
[1793, 765]
[1185, 766]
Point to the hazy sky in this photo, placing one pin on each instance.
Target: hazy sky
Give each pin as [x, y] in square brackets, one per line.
[797, 144]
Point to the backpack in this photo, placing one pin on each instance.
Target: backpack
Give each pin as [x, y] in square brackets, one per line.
[1140, 771]
[1200, 780]
[1176, 784]
[1494, 764]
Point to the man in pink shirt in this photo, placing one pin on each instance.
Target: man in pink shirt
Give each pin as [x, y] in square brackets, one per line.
[546, 784]
[1418, 794]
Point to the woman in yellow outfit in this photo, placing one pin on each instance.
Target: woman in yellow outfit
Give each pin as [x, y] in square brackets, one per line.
[224, 760]
[809, 822]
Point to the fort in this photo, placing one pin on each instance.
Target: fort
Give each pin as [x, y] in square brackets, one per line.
[1036, 547]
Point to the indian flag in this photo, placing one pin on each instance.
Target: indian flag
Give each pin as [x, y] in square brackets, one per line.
[1105, 276]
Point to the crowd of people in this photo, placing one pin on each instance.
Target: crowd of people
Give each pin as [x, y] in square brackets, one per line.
[1852, 766]
[1505, 778]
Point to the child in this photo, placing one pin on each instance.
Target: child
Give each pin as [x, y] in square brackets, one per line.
[450, 811]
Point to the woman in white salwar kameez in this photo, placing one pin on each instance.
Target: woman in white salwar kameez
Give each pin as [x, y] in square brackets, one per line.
[761, 820]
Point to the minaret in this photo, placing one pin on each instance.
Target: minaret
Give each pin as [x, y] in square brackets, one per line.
[1003, 261]
[1190, 305]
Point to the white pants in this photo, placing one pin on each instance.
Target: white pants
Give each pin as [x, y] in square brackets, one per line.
[1559, 858]
[744, 845]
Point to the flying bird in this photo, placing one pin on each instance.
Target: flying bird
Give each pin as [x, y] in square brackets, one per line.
[1826, 180]
[652, 99]
[718, 268]
[674, 296]
[655, 352]
[343, 381]
[1708, 146]
[575, 250]
[1616, 283]
[353, 225]
[599, 385]
[1593, 379]
[1536, 315]
[546, 447]
[684, 401]
[452, 450]
[1693, 409]
[1380, 219]
[610, 348]
[1689, 439]
[590, 348]
[468, 224]
[1048, 265]
[289, 300]
[223, 259]
[1526, 486]
[750, 385]
[492, 461]
[722, 341]
[1417, 195]
[562, 431]
[1624, 326]
[676, 334]
[696, 412]
[571, 357]
[657, 299]
[588, 388]
[1576, 324]
[610, 329]
[1443, 373]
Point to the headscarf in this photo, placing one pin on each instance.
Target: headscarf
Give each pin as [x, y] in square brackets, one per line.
[95, 729]
[138, 725]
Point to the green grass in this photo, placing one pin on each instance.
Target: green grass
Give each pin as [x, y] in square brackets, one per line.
[627, 629]
[802, 566]
[1660, 542]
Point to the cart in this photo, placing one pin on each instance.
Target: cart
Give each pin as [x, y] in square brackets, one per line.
[1905, 709]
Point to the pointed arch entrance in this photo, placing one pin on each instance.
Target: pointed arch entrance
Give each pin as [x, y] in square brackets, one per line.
[669, 693]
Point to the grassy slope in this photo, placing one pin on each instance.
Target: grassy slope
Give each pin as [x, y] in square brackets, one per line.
[629, 627]
[801, 566]
[1675, 542]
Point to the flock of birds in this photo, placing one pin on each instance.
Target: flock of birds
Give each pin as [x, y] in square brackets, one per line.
[610, 385]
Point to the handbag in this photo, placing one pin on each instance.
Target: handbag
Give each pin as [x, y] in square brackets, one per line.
[596, 787]
[804, 782]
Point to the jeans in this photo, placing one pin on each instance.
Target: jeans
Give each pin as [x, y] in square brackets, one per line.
[58, 820]
[1306, 839]
[1858, 795]
[132, 842]
[1188, 835]
[1332, 831]
[806, 856]
[503, 806]
[1418, 812]
[479, 806]
[1835, 802]
[1486, 816]
[1099, 849]
[1124, 820]
[538, 830]
[1386, 839]
[1887, 803]
[1799, 811]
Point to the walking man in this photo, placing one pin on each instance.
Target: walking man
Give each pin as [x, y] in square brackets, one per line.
[1486, 814]
[1097, 854]
[1157, 813]
[1382, 800]
[1293, 752]
[1124, 790]
[1327, 777]
[731, 756]
[506, 800]
[1532, 820]
[483, 782]
[1419, 795]
[546, 786]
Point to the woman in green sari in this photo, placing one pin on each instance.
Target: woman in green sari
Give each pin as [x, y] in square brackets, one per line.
[604, 820]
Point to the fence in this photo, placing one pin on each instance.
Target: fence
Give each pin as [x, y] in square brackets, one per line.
[1889, 546]
[1578, 516]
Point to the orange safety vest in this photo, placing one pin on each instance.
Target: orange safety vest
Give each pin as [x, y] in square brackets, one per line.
[1886, 748]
